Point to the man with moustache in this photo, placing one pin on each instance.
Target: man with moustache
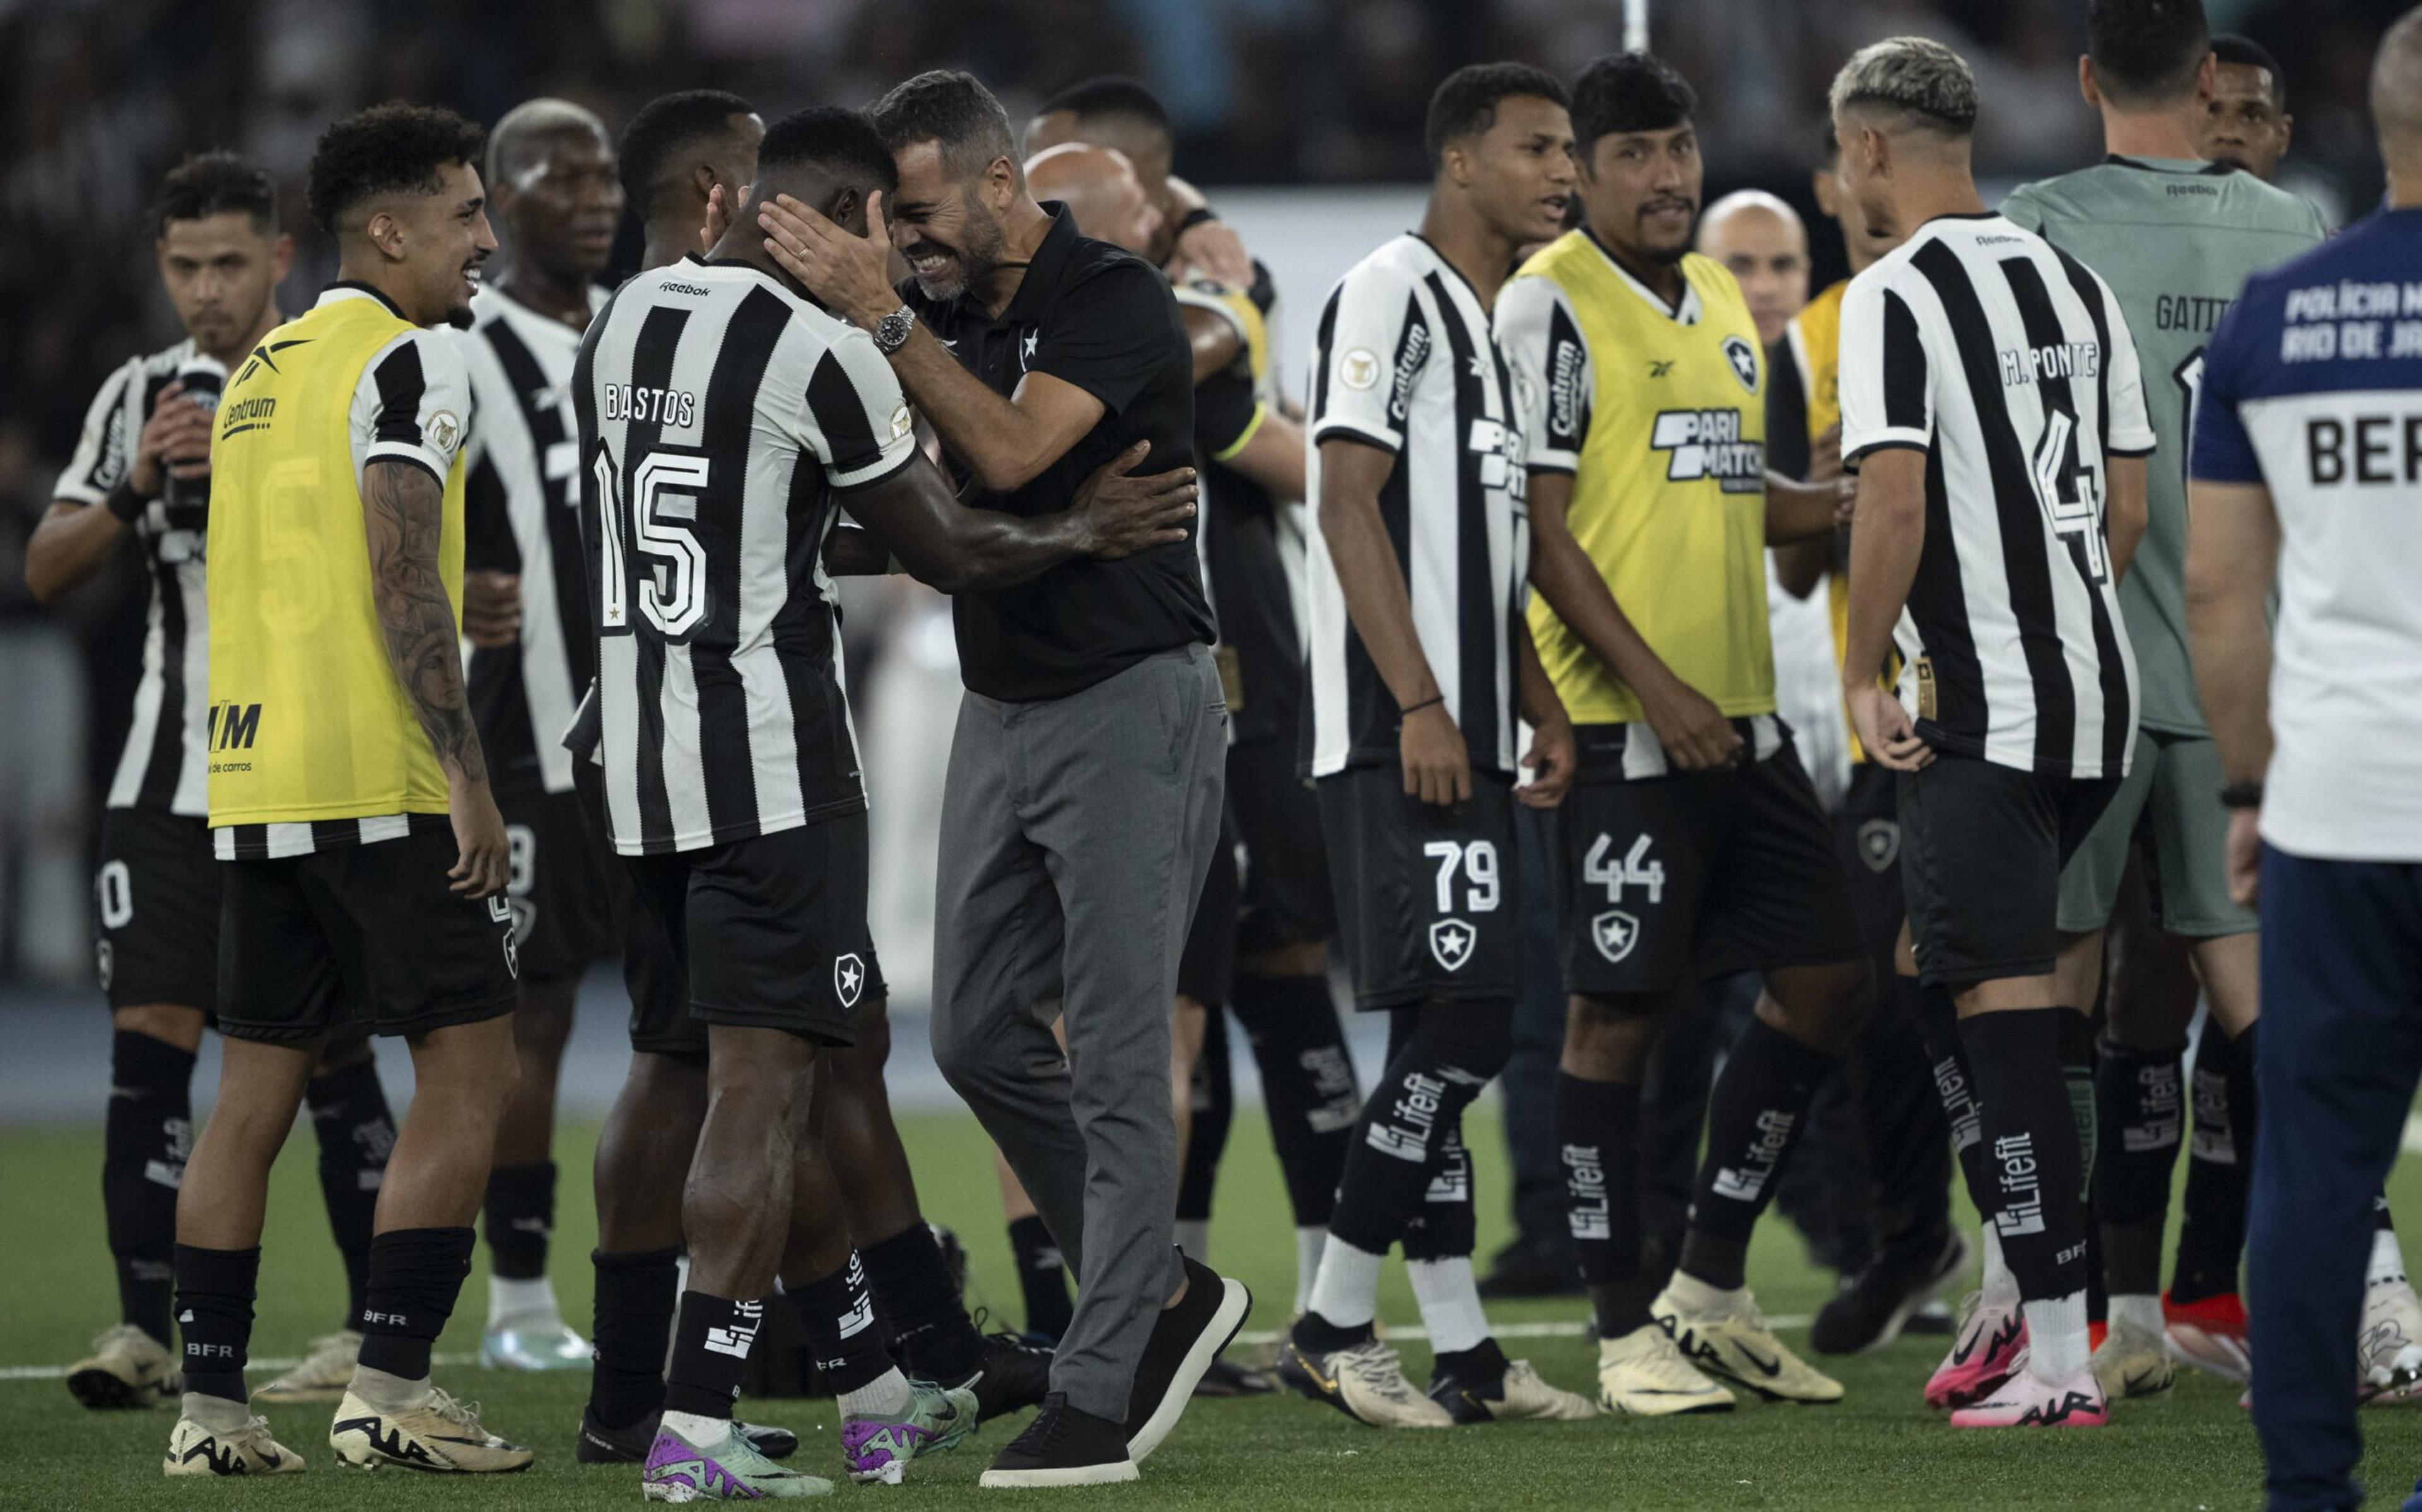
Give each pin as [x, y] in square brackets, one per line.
[2245, 122]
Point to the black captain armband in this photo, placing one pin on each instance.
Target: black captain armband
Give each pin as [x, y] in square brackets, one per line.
[1195, 217]
[123, 502]
[2241, 795]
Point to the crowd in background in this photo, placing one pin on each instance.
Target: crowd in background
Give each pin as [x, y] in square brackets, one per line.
[97, 97]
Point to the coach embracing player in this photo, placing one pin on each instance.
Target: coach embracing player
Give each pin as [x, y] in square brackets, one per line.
[1086, 773]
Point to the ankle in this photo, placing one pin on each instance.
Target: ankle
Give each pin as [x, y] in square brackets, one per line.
[215, 1413]
[381, 1389]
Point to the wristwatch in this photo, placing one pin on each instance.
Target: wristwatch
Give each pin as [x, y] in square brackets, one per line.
[891, 333]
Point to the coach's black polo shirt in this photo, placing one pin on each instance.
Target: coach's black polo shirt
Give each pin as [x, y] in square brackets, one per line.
[1089, 314]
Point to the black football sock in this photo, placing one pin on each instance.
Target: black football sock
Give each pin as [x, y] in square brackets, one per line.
[521, 1218]
[1041, 1277]
[1754, 1115]
[928, 1323]
[416, 1275]
[2077, 1059]
[710, 1342]
[146, 1133]
[633, 1323]
[1955, 1083]
[357, 1131]
[2211, 1217]
[214, 1295]
[1449, 1052]
[838, 1313]
[1482, 1365]
[2030, 1147]
[1213, 1106]
[1447, 1228]
[1307, 1084]
[2140, 1113]
[1598, 1139]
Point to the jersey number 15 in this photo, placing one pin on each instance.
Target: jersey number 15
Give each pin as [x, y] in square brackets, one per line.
[661, 527]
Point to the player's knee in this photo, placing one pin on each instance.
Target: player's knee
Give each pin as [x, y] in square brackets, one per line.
[1476, 1038]
[872, 1050]
[342, 1054]
[168, 1022]
[1821, 1007]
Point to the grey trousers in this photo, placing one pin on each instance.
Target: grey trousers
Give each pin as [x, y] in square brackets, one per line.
[1076, 833]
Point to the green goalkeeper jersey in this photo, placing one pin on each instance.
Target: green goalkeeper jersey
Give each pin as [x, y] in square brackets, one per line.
[2175, 240]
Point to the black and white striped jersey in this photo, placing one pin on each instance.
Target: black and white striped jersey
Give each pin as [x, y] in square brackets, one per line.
[2008, 363]
[521, 514]
[1405, 361]
[719, 415]
[163, 764]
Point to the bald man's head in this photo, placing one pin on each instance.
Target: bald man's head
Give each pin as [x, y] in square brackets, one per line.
[555, 189]
[1099, 186]
[2397, 107]
[1761, 239]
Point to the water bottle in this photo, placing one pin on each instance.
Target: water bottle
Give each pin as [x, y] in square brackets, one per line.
[189, 498]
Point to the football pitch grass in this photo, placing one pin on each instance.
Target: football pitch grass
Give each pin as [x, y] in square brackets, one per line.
[1877, 1449]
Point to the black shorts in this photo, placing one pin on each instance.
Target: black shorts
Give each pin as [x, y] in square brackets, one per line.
[366, 937]
[1207, 968]
[1429, 900]
[1285, 897]
[769, 933]
[1692, 876]
[562, 885]
[1867, 833]
[1982, 848]
[157, 897]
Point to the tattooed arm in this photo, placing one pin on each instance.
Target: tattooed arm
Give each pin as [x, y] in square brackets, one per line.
[404, 509]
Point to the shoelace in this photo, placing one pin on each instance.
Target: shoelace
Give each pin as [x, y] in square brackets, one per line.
[1048, 1430]
[1010, 1337]
[464, 1415]
[1378, 1367]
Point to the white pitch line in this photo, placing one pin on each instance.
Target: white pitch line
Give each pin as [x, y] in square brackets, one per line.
[59, 1372]
[1558, 1328]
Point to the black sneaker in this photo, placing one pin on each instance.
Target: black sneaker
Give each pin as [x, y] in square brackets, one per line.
[1534, 1265]
[1878, 1303]
[1011, 1376]
[1227, 1378]
[1063, 1446]
[1184, 1340]
[629, 1445]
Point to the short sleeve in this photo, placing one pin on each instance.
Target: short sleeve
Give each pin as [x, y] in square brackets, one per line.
[856, 417]
[2221, 451]
[1226, 415]
[2021, 208]
[1372, 345]
[104, 452]
[1885, 377]
[2130, 426]
[1109, 333]
[413, 403]
[1552, 384]
[1235, 308]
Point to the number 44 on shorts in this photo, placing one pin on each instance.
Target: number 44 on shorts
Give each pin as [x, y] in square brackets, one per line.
[1615, 931]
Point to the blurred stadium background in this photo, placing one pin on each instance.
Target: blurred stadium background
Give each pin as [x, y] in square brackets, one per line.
[1301, 118]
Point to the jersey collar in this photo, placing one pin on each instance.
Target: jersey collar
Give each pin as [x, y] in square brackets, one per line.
[1032, 297]
[345, 288]
[2197, 167]
[1686, 313]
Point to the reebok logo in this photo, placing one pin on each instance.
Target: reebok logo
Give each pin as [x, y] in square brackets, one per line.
[1413, 1118]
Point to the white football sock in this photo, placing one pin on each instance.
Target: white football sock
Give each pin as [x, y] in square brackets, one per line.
[2056, 1340]
[1308, 1244]
[1346, 1290]
[2143, 1313]
[215, 1415]
[509, 1300]
[1194, 1237]
[1694, 1298]
[1999, 1285]
[1449, 1303]
[391, 1393]
[887, 1396]
[2387, 1260]
[698, 1432]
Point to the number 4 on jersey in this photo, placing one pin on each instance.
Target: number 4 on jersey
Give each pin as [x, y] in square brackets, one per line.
[1615, 931]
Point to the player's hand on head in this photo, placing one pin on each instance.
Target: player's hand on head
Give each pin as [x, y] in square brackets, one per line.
[1694, 732]
[1437, 768]
[849, 272]
[1886, 730]
[1125, 513]
[2244, 856]
[1551, 762]
[174, 443]
[719, 210]
[482, 859]
[492, 608]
